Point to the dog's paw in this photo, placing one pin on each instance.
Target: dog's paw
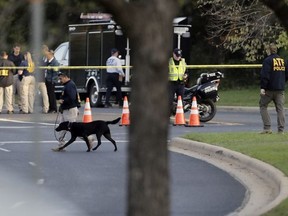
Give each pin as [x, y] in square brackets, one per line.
[88, 150]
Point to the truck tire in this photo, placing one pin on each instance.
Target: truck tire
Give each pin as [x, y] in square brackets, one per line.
[94, 96]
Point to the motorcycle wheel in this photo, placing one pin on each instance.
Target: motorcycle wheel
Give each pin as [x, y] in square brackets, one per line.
[207, 110]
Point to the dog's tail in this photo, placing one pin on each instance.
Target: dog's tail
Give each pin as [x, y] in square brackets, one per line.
[114, 121]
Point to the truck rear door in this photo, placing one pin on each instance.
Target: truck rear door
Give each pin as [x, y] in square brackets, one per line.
[78, 47]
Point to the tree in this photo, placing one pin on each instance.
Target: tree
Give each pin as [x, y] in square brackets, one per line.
[242, 25]
[148, 24]
[15, 18]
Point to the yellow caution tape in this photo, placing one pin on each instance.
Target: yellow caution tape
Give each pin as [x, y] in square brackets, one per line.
[220, 66]
[224, 66]
[67, 67]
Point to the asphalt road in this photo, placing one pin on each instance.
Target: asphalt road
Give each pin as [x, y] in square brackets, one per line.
[36, 181]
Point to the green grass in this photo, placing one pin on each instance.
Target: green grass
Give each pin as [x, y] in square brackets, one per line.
[270, 148]
[241, 97]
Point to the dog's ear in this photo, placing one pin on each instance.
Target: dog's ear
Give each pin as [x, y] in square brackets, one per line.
[65, 123]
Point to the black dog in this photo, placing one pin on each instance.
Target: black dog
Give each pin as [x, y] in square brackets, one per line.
[79, 129]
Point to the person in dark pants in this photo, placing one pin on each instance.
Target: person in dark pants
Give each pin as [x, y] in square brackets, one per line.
[273, 76]
[51, 79]
[177, 69]
[114, 77]
[68, 104]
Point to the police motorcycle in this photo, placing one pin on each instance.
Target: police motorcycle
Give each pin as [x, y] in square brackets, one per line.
[206, 93]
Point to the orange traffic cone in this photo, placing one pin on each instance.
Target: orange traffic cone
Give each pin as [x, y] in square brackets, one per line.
[125, 119]
[179, 117]
[87, 116]
[194, 115]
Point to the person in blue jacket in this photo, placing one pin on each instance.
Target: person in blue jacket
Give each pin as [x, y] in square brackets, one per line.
[274, 74]
[68, 104]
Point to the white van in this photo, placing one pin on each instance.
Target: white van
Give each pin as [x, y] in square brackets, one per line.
[61, 53]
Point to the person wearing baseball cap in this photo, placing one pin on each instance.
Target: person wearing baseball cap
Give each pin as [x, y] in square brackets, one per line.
[177, 69]
[177, 52]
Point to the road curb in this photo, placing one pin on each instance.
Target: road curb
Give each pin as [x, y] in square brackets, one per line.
[267, 187]
[244, 108]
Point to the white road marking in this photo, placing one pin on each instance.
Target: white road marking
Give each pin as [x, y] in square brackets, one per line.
[22, 127]
[45, 142]
[32, 163]
[17, 204]
[51, 141]
[40, 181]
[25, 122]
[5, 150]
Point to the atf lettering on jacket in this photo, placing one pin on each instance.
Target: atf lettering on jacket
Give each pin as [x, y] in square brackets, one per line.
[278, 64]
[4, 72]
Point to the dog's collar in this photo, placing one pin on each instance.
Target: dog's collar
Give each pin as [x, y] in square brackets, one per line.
[69, 125]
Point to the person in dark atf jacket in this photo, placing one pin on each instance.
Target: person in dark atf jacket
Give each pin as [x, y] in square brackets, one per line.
[51, 79]
[273, 76]
[16, 57]
[68, 103]
[6, 83]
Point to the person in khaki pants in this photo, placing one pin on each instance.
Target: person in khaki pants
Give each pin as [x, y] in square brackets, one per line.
[43, 91]
[16, 57]
[40, 80]
[27, 86]
[6, 83]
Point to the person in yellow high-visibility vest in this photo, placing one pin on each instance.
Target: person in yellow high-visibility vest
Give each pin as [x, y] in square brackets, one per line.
[177, 69]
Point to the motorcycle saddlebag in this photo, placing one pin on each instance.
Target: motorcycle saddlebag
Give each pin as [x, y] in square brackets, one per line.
[208, 91]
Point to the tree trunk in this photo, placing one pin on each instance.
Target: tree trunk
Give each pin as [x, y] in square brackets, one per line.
[148, 24]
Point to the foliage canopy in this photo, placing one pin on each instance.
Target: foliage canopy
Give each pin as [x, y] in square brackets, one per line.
[15, 20]
[242, 25]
